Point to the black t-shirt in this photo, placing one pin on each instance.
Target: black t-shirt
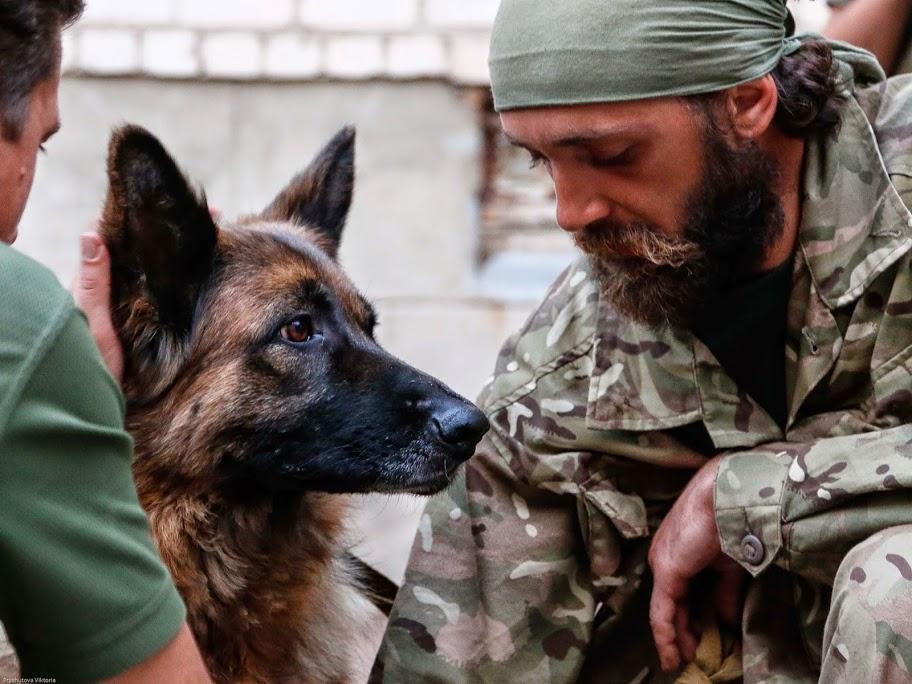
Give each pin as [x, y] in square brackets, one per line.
[745, 330]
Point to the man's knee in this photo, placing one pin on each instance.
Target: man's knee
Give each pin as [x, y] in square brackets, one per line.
[869, 628]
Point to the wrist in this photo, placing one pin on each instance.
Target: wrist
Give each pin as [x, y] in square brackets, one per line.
[708, 475]
[747, 506]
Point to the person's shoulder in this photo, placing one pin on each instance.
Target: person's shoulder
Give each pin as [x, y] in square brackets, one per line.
[560, 331]
[30, 294]
[888, 108]
[33, 308]
[14, 263]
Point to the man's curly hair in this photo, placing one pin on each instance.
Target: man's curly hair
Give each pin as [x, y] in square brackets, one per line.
[809, 101]
[29, 50]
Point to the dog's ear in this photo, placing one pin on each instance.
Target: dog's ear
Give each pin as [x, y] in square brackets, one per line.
[162, 241]
[320, 197]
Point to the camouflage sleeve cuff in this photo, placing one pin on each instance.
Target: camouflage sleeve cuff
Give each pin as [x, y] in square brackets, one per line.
[748, 498]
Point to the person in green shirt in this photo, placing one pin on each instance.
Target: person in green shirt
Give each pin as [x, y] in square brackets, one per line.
[84, 595]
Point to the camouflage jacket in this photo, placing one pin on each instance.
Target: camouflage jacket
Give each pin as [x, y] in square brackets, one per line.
[532, 566]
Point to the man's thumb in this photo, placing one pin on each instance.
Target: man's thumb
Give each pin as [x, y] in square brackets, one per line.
[92, 292]
[93, 286]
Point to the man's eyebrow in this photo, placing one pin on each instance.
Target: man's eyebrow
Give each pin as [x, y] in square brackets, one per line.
[51, 133]
[589, 136]
[516, 143]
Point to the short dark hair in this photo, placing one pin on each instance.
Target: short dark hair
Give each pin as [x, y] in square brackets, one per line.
[810, 100]
[29, 50]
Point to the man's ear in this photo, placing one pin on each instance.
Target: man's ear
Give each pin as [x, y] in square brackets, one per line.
[751, 107]
[162, 242]
[320, 197]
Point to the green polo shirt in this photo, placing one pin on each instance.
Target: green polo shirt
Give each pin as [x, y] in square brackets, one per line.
[83, 592]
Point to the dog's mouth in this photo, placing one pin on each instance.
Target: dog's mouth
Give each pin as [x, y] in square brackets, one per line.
[401, 478]
[427, 485]
[423, 465]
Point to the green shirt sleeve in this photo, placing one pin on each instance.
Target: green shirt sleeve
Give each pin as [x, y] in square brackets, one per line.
[84, 593]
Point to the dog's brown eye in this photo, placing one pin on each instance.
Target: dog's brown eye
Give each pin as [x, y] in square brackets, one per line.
[298, 330]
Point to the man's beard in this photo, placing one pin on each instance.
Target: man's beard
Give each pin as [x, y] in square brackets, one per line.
[731, 220]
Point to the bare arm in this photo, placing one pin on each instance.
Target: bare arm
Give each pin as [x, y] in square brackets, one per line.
[179, 662]
[876, 25]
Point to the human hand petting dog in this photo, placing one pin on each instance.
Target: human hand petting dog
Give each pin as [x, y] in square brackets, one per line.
[92, 292]
[686, 544]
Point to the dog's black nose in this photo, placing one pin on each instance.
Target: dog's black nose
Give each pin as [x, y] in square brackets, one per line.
[460, 427]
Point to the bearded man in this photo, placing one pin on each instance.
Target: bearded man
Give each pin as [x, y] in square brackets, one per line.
[699, 446]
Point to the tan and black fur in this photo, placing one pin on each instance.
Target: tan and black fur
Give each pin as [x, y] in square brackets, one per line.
[257, 398]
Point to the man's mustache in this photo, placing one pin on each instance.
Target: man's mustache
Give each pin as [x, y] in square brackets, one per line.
[615, 241]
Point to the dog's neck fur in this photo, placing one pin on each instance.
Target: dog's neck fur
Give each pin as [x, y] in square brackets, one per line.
[248, 572]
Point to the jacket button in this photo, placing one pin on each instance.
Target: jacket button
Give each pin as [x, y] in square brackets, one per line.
[752, 550]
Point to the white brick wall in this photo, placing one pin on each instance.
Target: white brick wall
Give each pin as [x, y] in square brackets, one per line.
[360, 15]
[354, 57]
[469, 59]
[461, 14]
[170, 53]
[108, 52]
[127, 13]
[416, 56]
[68, 62]
[284, 39]
[234, 55]
[235, 14]
[295, 39]
[293, 56]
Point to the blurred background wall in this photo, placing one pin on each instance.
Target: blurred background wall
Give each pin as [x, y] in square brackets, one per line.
[451, 234]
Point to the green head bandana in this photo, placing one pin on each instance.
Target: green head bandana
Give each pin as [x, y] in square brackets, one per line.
[562, 52]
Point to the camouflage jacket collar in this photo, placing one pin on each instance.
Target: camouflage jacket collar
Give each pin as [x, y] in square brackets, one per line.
[854, 226]
[844, 254]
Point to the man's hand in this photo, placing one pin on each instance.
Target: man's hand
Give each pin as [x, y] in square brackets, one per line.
[92, 292]
[686, 543]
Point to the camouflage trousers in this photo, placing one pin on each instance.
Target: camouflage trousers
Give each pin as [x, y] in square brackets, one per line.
[868, 632]
[796, 631]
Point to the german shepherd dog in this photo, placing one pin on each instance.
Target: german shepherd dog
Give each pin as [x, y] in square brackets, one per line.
[258, 397]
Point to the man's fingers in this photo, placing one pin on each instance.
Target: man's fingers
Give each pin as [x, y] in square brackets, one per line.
[92, 292]
[661, 618]
[729, 595]
[687, 639]
[93, 286]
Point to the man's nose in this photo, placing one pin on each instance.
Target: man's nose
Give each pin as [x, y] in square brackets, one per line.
[578, 205]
